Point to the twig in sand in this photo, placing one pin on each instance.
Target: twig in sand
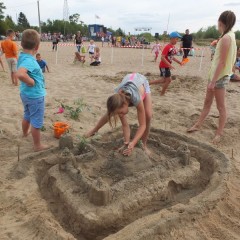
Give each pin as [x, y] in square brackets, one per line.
[18, 152]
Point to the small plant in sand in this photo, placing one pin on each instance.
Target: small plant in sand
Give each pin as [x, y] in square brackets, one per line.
[43, 129]
[75, 110]
[82, 143]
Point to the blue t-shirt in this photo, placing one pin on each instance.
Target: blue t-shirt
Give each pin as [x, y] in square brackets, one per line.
[34, 71]
[42, 65]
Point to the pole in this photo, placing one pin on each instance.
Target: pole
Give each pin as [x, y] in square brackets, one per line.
[200, 67]
[39, 21]
[143, 55]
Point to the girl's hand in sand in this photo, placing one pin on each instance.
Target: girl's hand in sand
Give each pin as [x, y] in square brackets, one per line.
[128, 151]
[124, 147]
[211, 86]
[172, 67]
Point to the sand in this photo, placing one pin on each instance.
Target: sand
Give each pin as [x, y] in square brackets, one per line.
[28, 212]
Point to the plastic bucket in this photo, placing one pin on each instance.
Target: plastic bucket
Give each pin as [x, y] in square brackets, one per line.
[60, 128]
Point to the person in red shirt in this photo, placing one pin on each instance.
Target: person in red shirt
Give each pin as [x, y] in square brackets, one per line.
[165, 65]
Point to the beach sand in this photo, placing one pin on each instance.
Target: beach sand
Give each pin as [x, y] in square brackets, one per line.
[25, 214]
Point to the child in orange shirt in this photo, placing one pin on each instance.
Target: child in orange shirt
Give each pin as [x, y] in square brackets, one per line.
[9, 47]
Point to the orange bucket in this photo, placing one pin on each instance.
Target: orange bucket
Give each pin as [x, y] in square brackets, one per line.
[60, 128]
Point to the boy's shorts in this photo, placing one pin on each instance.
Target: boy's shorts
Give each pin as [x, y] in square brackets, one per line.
[34, 110]
[221, 83]
[165, 72]
[12, 64]
[91, 53]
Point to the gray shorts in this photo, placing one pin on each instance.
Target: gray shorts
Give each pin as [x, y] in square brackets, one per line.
[221, 83]
[12, 64]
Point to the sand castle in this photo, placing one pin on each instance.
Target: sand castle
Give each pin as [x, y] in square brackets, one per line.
[98, 193]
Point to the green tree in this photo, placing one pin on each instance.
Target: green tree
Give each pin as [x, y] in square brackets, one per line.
[120, 32]
[9, 22]
[2, 7]
[199, 34]
[23, 22]
[148, 36]
[211, 32]
[237, 33]
[74, 18]
[3, 27]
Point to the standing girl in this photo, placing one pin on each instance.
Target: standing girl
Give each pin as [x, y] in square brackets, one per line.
[134, 91]
[91, 50]
[220, 72]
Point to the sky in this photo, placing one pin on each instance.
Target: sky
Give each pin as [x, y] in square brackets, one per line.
[128, 15]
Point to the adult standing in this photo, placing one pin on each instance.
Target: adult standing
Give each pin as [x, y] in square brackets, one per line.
[186, 43]
[78, 41]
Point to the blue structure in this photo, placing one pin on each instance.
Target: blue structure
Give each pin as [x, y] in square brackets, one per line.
[96, 31]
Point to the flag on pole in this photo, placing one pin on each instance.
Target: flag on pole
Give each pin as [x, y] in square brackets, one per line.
[97, 17]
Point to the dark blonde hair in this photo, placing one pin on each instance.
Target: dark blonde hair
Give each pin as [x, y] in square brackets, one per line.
[228, 18]
[115, 102]
[30, 39]
[9, 32]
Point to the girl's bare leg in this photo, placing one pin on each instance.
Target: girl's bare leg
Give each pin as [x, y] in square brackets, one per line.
[220, 100]
[102, 121]
[206, 109]
[148, 112]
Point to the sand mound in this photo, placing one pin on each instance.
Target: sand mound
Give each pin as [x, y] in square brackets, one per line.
[93, 191]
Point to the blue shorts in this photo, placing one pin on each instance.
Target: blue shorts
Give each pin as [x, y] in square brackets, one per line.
[34, 110]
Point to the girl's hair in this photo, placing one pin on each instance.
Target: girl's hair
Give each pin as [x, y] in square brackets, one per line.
[97, 49]
[115, 102]
[228, 18]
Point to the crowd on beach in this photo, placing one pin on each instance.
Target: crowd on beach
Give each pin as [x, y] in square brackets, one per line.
[133, 91]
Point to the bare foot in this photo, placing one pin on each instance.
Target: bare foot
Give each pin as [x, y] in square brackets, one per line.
[89, 134]
[216, 139]
[41, 148]
[193, 129]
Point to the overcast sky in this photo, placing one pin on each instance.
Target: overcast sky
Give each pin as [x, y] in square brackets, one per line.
[128, 14]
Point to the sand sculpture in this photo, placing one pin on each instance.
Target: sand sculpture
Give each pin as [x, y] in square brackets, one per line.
[98, 191]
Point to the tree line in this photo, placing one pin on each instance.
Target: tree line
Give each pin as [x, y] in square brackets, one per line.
[74, 24]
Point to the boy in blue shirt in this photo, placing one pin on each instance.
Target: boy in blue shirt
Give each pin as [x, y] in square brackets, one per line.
[32, 87]
[42, 63]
